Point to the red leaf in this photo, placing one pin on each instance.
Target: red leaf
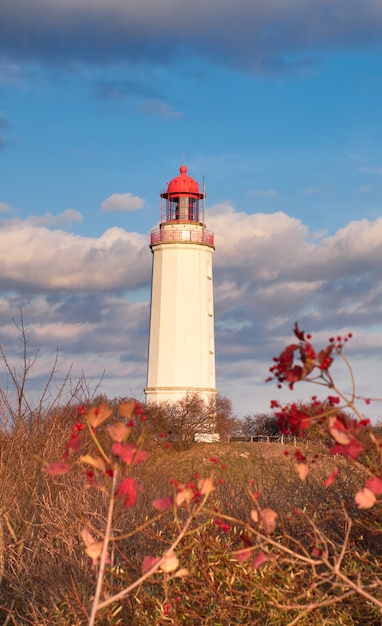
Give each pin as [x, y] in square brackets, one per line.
[331, 478]
[55, 469]
[127, 490]
[299, 333]
[351, 451]
[294, 374]
[242, 555]
[148, 563]
[258, 560]
[163, 503]
[73, 444]
[375, 485]
[339, 430]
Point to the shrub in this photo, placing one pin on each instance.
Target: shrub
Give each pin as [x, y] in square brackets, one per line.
[96, 529]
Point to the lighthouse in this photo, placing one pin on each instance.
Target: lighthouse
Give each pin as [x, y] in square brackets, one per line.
[181, 359]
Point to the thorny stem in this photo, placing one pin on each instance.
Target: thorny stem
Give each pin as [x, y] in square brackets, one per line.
[152, 570]
[351, 374]
[266, 538]
[312, 606]
[96, 603]
[97, 443]
[334, 568]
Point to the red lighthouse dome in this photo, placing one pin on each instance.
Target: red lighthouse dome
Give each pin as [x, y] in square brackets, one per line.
[183, 184]
[182, 199]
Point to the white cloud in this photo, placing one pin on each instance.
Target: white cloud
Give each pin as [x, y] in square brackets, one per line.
[4, 207]
[78, 293]
[35, 258]
[122, 202]
[66, 218]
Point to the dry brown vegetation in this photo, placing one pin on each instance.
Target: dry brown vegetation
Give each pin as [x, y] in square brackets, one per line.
[47, 579]
[267, 546]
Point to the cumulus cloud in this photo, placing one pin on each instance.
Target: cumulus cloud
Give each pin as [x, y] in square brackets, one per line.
[121, 202]
[273, 36]
[269, 272]
[4, 207]
[66, 218]
[90, 296]
[35, 258]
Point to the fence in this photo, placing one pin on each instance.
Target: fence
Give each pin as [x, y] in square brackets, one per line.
[266, 438]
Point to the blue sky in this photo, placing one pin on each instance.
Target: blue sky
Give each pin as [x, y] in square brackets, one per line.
[276, 105]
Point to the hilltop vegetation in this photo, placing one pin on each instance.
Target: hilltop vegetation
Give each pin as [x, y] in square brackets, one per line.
[104, 521]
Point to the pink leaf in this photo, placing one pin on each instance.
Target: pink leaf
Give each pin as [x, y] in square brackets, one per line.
[96, 415]
[96, 462]
[118, 432]
[57, 468]
[185, 494]
[338, 431]
[170, 561]
[365, 499]
[73, 444]
[375, 485]
[163, 503]
[268, 520]
[128, 453]
[258, 560]
[127, 490]
[351, 451]
[302, 470]
[243, 554]
[206, 485]
[126, 409]
[148, 563]
[93, 548]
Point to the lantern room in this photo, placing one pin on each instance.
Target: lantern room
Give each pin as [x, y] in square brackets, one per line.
[181, 199]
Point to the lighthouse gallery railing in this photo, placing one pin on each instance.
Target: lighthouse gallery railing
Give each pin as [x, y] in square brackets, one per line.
[161, 235]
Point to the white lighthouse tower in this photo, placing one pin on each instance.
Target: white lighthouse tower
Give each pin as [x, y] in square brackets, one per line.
[181, 357]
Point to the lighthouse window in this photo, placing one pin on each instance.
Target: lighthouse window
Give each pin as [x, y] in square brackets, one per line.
[193, 210]
[183, 208]
[173, 210]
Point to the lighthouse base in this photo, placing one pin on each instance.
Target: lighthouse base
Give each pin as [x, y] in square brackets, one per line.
[174, 394]
[186, 414]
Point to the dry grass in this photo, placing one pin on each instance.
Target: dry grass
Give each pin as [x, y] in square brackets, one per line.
[47, 579]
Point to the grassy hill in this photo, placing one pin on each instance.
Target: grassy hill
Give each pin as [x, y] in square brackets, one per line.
[319, 563]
